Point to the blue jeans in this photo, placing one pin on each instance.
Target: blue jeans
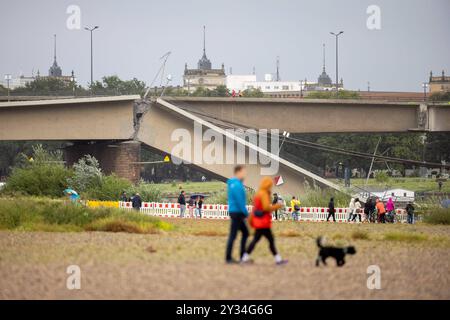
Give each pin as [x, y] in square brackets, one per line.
[182, 210]
[295, 215]
[410, 218]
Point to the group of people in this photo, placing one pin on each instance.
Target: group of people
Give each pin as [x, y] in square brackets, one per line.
[136, 200]
[373, 211]
[195, 205]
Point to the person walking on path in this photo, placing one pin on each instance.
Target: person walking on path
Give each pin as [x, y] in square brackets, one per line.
[182, 203]
[136, 202]
[295, 207]
[331, 210]
[356, 212]
[261, 220]
[238, 212]
[381, 211]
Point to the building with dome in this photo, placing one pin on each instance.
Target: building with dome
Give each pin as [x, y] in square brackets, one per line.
[204, 75]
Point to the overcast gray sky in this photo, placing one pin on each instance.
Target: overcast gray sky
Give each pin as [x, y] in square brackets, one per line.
[414, 38]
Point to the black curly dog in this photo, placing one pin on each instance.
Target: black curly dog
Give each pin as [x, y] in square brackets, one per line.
[337, 253]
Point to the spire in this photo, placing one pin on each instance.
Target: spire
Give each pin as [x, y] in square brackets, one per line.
[323, 68]
[204, 40]
[55, 70]
[54, 48]
[204, 63]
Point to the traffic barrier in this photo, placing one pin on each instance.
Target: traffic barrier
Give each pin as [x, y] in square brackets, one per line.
[220, 211]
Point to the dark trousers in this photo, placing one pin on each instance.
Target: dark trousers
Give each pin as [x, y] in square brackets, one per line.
[356, 215]
[269, 236]
[237, 224]
[331, 214]
[382, 218]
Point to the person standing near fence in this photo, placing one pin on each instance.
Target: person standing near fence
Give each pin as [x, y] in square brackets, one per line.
[331, 210]
[182, 203]
[356, 212]
[367, 209]
[295, 207]
[351, 209]
[381, 211]
[390, 209]
[136, 202]
[275, 201]
[199, 206]
[410, 212]
[238, 212]
[124, 197]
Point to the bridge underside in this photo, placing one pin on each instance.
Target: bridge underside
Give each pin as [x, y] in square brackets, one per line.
[118, 125]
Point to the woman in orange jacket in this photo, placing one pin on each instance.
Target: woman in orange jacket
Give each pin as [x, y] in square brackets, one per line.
[381, 211]
[261, 220]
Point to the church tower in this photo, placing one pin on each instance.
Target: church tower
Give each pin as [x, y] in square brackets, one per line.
[55, 70]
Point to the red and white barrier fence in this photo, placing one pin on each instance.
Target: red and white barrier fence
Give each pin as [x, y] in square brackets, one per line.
[220, 211]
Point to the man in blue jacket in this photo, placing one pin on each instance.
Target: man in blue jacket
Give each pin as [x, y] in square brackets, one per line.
[237, 210]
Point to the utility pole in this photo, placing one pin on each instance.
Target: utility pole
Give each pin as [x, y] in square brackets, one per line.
[92, 55]
[278, 69]
[336, 35]
[373, 159]
[425, 87]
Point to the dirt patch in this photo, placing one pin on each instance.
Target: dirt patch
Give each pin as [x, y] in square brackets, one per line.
[180, 264]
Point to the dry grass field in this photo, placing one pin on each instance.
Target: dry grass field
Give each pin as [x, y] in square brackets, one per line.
[187, 262]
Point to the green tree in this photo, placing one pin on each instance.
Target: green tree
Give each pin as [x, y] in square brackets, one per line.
[253, 93]
[342, 94]
[113, 85]
[440, 96]
[87, 174]
[44, 175]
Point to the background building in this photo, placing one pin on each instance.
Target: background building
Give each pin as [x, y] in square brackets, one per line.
[440, 83]
[204, 76]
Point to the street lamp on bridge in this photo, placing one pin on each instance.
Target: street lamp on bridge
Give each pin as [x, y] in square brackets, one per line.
[8, 78]
[92, 57]
[337, 69]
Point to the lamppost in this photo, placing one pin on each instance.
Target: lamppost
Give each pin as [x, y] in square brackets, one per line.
[8, 78]
[336, 35]
[425, 87]
[74, 80]
[285, 135]
[301, 88]
[188, 81]
[92, 57]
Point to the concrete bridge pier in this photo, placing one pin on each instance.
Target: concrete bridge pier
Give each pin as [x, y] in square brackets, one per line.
[114, 157]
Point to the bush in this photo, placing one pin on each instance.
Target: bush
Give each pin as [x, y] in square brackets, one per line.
[110, 188]
[52, 215]
[87, 174]
[381, 177]
[317, 197]
[148, 192]
[39, 180]
[437, 216]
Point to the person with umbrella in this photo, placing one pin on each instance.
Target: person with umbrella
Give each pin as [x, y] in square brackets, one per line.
[72, 194]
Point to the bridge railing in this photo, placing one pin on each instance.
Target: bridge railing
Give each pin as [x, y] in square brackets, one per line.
[220, 211]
